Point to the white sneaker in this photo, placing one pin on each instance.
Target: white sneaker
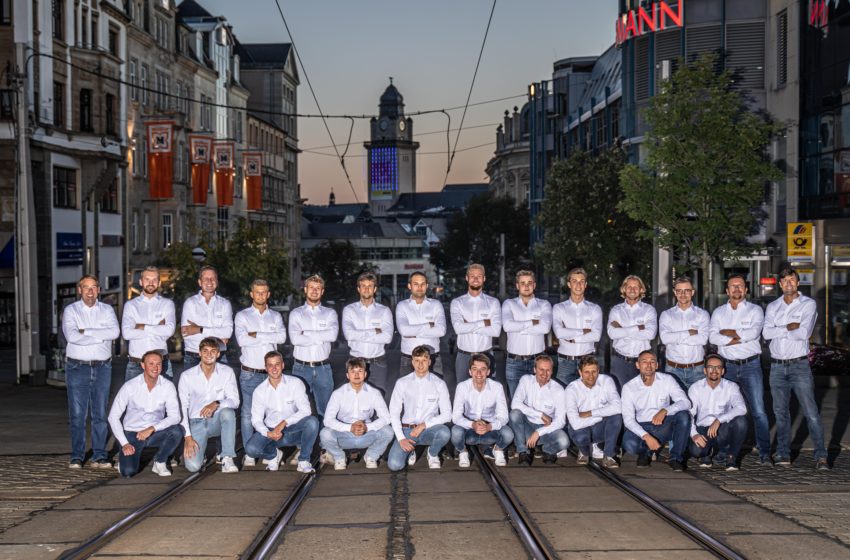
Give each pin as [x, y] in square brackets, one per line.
[227, 465]
[161, 469]
[500, 457]
[325, 458]
[462, 460]
[371, 463]
[596, 452]
[249, 462]
[433, 462]
[274, 464]
[306, 468]
[562, 454]
[294, 459]
[339, 464]
[411, 460]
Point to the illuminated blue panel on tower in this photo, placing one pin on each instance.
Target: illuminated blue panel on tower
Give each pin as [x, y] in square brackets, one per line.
[384, 172]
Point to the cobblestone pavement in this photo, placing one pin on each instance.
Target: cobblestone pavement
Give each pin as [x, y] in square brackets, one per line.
[33, 483]
[816, 499]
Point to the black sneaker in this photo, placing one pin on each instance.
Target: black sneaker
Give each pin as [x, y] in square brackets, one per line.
[525, 459]
[643, 461]
[550, 458]
[538, 452]
[766, 461]
[75, 464]
[822, 465]
[101, 464]
[782, 461]
[676, 465]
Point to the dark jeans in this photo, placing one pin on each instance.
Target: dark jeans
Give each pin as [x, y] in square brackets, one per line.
[377, 373]
[461, 437]
[165, 441]
[302, 435]
[567, 370]
[750, 378]
[88, 393]
[436, 437]
[676, 428]
[797, 378]
[319, 381]
[622, 371]
[552, 442]
[248, 382]
[515, 370]
[607, 431]
[727, 444]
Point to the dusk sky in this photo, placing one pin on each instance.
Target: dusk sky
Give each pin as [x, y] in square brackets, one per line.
[350, 48]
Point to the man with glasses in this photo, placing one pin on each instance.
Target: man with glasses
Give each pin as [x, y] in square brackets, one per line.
[684, 331]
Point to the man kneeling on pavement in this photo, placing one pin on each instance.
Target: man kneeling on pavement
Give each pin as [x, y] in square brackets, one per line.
[593, 412]
[537, 414]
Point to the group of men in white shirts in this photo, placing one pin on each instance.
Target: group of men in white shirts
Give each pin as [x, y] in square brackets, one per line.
[581, 404]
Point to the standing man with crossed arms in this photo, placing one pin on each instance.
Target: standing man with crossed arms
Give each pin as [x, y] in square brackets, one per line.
[578, 325]
[205, 314]
[476, 319]
[147, 324]
[526, 320]
[684, 331]
[420, 321]
[631, 327]
[368, 328]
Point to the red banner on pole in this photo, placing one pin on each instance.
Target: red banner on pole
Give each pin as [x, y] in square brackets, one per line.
[200, 155]
[160, 136]
[223, 153]
[253, 164]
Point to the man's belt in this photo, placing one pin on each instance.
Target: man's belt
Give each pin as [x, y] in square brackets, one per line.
[409, 425]
[312, 364]
[744, 361]
[676, 365]
[464, 352]
[378, 359]
[788, 361]
[139, 360]
[577, 358]
[521, 358]
[629, 359]
[91, 363]
[252, 370]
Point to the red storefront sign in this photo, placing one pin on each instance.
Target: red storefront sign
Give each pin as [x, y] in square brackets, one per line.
[656, 17]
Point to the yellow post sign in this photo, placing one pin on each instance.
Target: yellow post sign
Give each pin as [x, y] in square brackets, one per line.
[801, 240]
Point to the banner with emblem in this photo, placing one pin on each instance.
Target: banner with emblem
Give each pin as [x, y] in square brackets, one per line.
[200, 156]
[223, 154]
[253, 165]
[160, 137]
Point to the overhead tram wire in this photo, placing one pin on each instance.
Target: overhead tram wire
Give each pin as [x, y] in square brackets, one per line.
[418, 134]
[468, 148]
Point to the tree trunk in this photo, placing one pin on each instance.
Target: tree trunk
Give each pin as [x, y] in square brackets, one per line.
[707, 283]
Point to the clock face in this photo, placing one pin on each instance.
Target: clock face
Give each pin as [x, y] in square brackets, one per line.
[401, 125]
[383, 124]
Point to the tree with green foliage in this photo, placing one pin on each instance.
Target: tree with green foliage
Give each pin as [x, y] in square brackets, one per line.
[699, 192]
[583, 225]
[473, 237]
[338, 264]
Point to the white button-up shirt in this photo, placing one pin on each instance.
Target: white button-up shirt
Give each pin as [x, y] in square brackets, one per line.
[347, 406]
[629, 340]
[723, 403]
[424, 399]
[601, 400]
[640, 403]
[489, 404]
[468, 314]
[358, 326]
[674, 326]
[143, 408]
[101, 328]
[747, 321]
[272, 405]
[413, 321]
[269, 330]
[216, 317]
[312, 330]
[569, 319]
[534, 401]
[524, 337]
[196, 391]
[785, 344]
[148, 311]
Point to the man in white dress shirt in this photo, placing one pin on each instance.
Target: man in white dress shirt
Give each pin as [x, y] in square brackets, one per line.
[593, 413]
[526, 320]
[684, 331]
[89, 327]
[420, 408]
[356, 418]
[480, 414]
[788, 325]
[631, 327]
[205, 314]
[151, 418]
[476, 319]
[735, 329]
[259, 330]
[280, 411]
[718, 417]
[147, 324]
[209, 398]
[578, 325]
[420, 320]
[368, 328]
[313, 328]
[655, 410]
[537, 414]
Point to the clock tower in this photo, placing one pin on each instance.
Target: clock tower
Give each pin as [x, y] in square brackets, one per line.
[391, 153]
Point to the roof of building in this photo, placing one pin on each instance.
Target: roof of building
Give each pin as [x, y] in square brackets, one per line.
[191, 9]
[267, 55]
[354, 230]
[335, 213]
[452, 197]
[605, 74]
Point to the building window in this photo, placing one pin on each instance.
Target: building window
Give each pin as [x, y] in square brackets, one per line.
[134, 231]
[58, 104]
[146, 228]
[58, 19]
[86, 124]
[167, 227]
[5, 12]
[110, 114]
[134, 81]
[109, 199]
[113, 41]
[64, 187]
[223, 220]
[143, 156]
[95, 31]
[144, 87]
[782, 49]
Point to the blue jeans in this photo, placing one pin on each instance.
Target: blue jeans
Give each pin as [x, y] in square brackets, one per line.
[676, 428]
[436, 437]
[514, 371]
[622, 371]
[191, 361]
[134, 369]
[248, 381]
[551, 442]
[607, 431]
[461, 437]
[686, 376]
[750, 378]
[222, 423]
[320, 382]
[567, 370]
[166, 441]
[88, 393]
[375, 442]
[727, 444]
[796, 377]
[302, 434]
